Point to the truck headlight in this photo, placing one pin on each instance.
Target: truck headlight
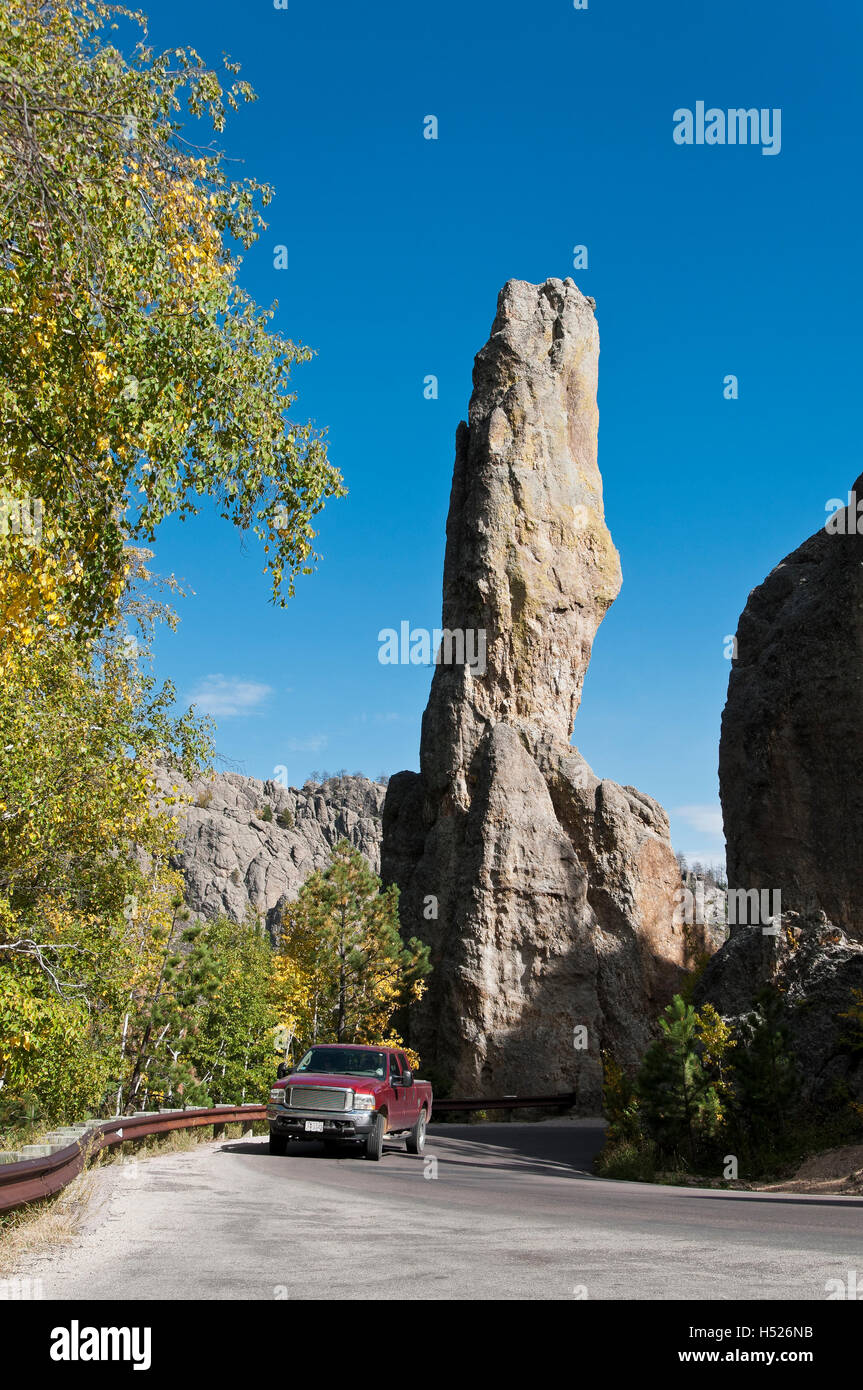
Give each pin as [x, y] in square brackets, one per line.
[277, 1095]
[364, 1102]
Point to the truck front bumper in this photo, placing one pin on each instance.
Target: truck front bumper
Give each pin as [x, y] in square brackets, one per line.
[342, 1124]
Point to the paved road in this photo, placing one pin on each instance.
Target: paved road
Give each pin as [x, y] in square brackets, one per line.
[512, 1213]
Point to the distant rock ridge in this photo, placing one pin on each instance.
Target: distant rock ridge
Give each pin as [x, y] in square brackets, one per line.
[547, 893]
[234, 861]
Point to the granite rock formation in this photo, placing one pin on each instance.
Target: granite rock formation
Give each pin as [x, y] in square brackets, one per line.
[790, 769]
[791, 752]
[248, 846]
[546, 893]
[816, 969]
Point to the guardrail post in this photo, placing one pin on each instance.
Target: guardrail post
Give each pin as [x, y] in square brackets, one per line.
[218, 1131]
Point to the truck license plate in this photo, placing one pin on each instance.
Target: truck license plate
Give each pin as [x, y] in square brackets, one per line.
[314, 1126]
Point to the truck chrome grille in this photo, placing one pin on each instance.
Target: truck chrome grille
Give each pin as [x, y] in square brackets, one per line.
[319, 1098]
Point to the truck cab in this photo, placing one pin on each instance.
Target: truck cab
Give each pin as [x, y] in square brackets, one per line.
[349, 1094]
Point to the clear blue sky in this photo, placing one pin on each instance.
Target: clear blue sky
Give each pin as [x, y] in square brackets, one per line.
[555, 129]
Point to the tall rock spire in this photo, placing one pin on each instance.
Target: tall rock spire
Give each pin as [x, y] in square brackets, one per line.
[529, 559]
[547, 894]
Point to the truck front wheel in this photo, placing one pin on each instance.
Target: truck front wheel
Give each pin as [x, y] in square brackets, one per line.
[416, 1140]
[375, 1139]
[278, 1144]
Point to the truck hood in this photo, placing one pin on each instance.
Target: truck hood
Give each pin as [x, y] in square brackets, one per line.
[312, 1078]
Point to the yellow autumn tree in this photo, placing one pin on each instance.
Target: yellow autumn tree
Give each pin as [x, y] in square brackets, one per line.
[136, 376]
[86, 835]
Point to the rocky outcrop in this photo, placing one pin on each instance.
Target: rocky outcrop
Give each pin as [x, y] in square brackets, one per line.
[545, 892]
[248, 846]
[791, 785]
[816, 969]
[791, 753]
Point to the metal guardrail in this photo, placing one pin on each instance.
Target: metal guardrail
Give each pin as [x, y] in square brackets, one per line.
[32, 1179]
[46, 1174]
[508, 1103]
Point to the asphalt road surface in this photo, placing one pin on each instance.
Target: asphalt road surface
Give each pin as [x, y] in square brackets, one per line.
[506, 1211]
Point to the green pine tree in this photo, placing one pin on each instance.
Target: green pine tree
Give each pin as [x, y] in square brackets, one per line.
[343, 933]
[678, 1102]
[166, 1019]
[766, 1081]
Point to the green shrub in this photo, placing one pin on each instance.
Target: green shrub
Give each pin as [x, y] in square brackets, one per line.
[630, 1160]
[620, 1103]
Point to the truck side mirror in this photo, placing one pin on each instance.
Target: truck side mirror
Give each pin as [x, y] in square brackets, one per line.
[407, 1078]
[281, 1071]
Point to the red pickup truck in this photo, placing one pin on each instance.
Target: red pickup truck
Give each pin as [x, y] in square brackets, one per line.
[346, 1093]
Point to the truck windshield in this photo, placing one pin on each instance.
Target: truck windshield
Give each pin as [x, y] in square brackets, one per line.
[343, 1062]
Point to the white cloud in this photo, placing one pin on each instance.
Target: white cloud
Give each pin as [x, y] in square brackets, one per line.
[314, 744]
[706, 819]
[224, 696]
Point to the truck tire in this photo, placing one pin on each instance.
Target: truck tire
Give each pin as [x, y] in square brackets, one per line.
[278, 1144]
[416, 1140]
[375, 1140]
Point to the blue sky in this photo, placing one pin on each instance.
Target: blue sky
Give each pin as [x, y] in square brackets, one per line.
[555, 130]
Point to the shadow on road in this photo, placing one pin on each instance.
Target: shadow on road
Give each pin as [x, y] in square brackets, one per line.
[525, 1150]
[535, 1150]
[306, 1148]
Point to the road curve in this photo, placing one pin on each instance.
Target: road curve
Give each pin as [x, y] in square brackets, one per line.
[507, 1211]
